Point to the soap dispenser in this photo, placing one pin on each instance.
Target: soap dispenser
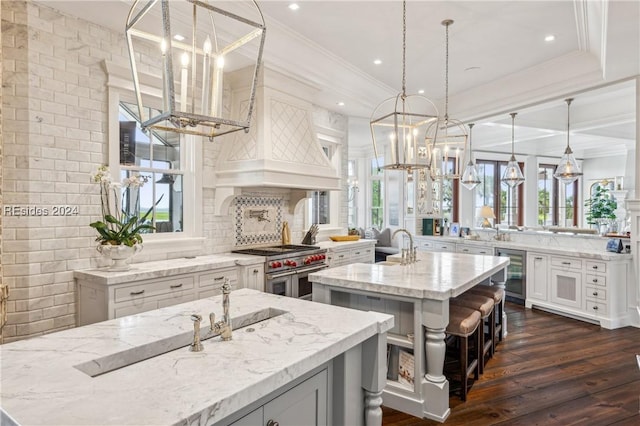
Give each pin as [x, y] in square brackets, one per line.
[286, 233]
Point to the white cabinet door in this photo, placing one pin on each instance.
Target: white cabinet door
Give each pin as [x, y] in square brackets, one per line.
[254, 277]
[566, 287]
[305, 404]
[537, 276]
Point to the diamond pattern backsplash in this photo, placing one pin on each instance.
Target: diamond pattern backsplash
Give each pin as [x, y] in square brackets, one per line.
[258, 220]
[291, 134]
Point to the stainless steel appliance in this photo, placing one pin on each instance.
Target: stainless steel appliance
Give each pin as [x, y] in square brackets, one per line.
[287, 268]
[516, 288]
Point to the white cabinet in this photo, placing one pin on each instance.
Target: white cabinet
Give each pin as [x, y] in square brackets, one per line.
[474, 249]
[537, 277]
[347, 253]
[434, 244]
[97, 301]
[304, 404]
[593, 290]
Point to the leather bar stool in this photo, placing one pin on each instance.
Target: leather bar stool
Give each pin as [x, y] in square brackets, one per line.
[498, 298]
[464, 323]
[484, 305]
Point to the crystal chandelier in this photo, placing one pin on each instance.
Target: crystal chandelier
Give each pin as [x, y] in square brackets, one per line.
[446, 137]
[470, 177]
[568, 170]
[401, 121]
[513, 175]
[200, 49]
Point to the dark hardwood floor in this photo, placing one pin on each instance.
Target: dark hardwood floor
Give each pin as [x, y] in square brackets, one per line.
[550, 370]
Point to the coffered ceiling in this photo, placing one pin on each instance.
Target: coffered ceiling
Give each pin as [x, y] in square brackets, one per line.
[499, 62]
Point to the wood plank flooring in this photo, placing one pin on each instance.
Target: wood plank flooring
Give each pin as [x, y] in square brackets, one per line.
[550, 370]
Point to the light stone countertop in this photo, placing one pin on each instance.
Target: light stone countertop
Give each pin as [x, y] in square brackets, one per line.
[164, 268]
[40, 385]
[436, 275]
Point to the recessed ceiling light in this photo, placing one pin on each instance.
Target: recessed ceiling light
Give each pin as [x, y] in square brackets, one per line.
[294, 6]
[179, 37]
[421, 91]
[340, 103]
[377, 61]
[549, 38]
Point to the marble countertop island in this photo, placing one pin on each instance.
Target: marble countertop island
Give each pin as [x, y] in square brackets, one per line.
[435, 275]
[45, 379]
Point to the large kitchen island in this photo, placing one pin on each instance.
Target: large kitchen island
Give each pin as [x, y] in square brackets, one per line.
[417, 295]
[289, 361]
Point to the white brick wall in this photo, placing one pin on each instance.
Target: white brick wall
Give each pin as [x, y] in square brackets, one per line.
[54, 135]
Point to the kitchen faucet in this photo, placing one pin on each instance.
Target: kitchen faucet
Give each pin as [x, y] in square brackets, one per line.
[223, 327]
[408, 255]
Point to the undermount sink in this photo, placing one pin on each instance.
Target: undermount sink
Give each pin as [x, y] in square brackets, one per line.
[116, 361]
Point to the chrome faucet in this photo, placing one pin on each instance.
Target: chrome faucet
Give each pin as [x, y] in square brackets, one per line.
[223, 327]
[408, 255]
[196, 346]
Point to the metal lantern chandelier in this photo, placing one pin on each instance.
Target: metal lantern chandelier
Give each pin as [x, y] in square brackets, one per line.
[470, 178]
[568, 170]
[201, 49]
[446, 137]
[402, 121]
[513, 175]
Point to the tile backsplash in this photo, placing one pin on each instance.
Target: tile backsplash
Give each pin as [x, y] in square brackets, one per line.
[258, 220]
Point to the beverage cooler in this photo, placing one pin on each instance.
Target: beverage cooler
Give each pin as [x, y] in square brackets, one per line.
[516, 289]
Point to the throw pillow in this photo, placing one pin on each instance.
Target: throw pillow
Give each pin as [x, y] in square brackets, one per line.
[384, 238]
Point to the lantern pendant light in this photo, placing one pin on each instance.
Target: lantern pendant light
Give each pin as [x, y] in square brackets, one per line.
[513, 175]
[568, 170]
[401, 122]
[470, 177]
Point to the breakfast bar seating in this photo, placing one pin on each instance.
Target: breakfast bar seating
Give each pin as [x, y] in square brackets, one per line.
[484, 305]
[497, 293]
[464, 323]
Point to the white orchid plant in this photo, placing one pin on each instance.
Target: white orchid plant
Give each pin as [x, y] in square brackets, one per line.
[119, 226]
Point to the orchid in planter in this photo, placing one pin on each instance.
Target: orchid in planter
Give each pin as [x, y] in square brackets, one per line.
[119, 227]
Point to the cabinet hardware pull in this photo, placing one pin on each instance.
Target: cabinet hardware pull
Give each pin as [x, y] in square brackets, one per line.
[595, 308]
[595, 267]
[595, 280]
[255, 271]
[373, 298]
[465, 249]
[483, 252]
[538, 258]
[341, 256]
[137, 293]
[595, 293]
[218, 278]
[176, 285]
[272, 423]
[357, 252]
[566, 263]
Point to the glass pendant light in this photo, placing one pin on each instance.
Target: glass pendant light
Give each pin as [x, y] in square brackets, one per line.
[513, 175]
[470, 177]
[568, 170]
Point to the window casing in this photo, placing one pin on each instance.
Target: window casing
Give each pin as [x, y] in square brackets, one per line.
[505, 201]
[376, 193]
[322, 206]
[557, 203]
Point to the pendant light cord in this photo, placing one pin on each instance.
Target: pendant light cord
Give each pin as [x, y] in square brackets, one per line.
[404, 49]
[513, 120]
[568, 101]
[446, 24]
[470, 140]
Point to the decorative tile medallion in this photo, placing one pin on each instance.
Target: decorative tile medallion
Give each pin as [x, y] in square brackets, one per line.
[258, 220]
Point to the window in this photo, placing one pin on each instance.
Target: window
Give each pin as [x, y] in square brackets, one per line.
[505, 201]
[377, 193]
[557, 203]
[352, 194]
[322, 207]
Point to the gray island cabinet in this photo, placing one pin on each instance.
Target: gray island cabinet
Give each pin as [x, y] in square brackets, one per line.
[417, 295]
[289, 362]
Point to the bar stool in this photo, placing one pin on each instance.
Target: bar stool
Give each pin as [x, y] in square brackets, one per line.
[484, 305]
[464, 323]
[497, 294]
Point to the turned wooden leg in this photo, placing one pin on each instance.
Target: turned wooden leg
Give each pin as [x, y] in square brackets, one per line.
[372, 410]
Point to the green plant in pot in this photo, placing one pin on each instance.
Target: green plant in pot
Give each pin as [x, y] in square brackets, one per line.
[601, 206]
[120, 230]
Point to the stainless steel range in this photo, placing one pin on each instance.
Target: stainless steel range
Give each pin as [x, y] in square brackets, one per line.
[287, 268]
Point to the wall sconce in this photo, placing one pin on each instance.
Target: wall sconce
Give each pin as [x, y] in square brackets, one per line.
[353, 188]
[486, 213]
[196, 45]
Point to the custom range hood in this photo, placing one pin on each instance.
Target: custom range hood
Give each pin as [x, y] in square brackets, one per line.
[281, 149]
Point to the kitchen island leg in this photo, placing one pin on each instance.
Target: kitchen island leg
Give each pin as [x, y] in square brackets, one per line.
[435, 386]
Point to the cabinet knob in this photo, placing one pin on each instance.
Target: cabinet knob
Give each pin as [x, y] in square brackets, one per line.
[595, 308]
[595, 280]
[255, 271]
[595, 293]
[272, 423]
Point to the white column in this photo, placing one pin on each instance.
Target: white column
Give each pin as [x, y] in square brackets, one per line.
[634, 212]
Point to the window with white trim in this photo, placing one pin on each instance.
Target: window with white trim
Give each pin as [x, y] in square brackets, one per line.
[323, 206]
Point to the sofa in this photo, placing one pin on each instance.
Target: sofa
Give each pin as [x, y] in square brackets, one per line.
[384, 245]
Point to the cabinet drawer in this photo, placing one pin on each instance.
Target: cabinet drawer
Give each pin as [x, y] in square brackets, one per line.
[444, 246]
[566, 262]
[596, 293]
[216, 278]
[135, 308]
[597, 279]
[362, 255]
[154, 288]
[460, 248]
[596, 308]
[176, 298]
[424, 245]
[600, 267]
